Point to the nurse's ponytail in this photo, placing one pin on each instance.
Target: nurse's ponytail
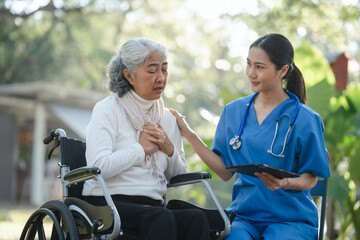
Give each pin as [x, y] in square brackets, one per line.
[281, 52]
[294, 82]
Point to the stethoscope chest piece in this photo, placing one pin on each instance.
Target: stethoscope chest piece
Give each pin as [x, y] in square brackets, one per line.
[235, 142]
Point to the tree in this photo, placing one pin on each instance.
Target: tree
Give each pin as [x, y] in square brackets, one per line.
[329, 25]
[71, 42]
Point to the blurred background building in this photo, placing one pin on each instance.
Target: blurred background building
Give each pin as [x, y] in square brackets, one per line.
[28, 112]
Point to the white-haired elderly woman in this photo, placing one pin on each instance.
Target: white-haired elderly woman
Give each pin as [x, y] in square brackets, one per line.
[137, 144]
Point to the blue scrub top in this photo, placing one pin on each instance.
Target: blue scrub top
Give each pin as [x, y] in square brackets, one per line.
[305, 152]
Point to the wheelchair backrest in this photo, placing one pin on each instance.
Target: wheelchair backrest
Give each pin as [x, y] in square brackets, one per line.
[73, 155]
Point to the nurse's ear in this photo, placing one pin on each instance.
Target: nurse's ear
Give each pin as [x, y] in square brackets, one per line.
[283, 71]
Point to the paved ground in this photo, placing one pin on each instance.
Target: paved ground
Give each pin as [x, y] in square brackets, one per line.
[13, 219]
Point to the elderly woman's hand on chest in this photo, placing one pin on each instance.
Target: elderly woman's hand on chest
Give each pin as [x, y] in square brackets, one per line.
[158, 136]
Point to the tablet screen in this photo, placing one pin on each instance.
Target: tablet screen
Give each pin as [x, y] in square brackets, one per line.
[250, 169]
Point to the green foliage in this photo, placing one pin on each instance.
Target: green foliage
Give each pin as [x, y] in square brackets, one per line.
[319, 97]
[228, 95]
[71, 43]
[318, 76]
[313, 65]
[340, 113]
[320, 21]
[354, 163]
[343, 144]
[338, 188]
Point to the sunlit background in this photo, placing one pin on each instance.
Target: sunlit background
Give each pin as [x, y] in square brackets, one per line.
[53, 56]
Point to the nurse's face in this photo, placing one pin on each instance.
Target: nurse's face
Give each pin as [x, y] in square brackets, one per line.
[149, 79]
[262, 73]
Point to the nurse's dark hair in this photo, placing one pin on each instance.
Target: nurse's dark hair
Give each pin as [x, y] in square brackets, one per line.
[281, 52]
[130, 56]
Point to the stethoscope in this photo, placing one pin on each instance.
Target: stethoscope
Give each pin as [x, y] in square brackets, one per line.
[235, 142]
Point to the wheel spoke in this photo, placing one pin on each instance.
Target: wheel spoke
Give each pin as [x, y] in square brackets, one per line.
[41, 231]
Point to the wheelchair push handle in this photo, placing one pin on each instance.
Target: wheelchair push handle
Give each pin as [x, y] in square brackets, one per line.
[49, 138]
[55, 134]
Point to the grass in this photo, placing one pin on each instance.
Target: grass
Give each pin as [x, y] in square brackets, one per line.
[13, 219]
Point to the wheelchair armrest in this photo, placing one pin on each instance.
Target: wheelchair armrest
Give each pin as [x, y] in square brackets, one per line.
[189, 177]
[81, 174]
[195, 177]
[85, 173]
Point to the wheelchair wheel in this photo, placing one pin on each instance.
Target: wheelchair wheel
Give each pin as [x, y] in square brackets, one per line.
[53, 220]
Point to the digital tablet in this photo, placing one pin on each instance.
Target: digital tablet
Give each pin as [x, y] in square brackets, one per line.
[250, 169]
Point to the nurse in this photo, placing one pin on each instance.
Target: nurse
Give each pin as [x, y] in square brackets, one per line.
[273, 126]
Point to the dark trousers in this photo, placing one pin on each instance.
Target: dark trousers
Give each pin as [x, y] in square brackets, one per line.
[154, 222]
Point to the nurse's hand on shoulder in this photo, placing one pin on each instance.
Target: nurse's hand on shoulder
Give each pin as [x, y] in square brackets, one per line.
[158, 136]
[183, 125]
[272, 182]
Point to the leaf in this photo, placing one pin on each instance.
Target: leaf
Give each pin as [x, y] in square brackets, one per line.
[354, 165]
[318, 76]
[319, 96]
[338, 188]
[313, 65]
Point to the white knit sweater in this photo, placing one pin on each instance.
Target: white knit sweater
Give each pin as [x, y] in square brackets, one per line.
[111, 146]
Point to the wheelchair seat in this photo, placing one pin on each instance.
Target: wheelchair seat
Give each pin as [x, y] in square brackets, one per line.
[74, 218]
[86, 214]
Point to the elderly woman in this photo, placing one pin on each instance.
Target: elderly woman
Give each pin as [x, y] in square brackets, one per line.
[137, 144]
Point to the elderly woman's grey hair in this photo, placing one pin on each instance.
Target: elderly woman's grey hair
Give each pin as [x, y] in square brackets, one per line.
[131, 55]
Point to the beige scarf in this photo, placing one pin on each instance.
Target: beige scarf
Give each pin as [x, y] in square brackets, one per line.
[138, 118]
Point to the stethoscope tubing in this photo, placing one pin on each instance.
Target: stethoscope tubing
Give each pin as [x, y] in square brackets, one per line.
[243, 118]
[236, 141]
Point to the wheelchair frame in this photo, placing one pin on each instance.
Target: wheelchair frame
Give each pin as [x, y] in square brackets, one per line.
[62, 217]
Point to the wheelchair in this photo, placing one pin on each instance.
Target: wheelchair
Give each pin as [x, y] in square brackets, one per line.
[73, 218]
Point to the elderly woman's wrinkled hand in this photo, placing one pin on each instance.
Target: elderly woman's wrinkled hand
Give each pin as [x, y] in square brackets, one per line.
[149, 147]
[158, 136]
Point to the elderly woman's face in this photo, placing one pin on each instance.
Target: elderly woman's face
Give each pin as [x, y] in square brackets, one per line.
[149, 80]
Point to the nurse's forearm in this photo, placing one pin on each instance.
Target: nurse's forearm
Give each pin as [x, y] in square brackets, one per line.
[211, 159]
[304, 182]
